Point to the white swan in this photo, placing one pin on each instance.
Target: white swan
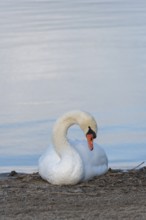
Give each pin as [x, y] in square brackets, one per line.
[69, 162]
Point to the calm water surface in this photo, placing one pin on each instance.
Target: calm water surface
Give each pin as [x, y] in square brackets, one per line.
[57, 56]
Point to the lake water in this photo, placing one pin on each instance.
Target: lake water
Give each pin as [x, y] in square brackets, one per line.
[57, 56]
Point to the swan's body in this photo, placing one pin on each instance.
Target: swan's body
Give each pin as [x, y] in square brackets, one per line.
[69, 162]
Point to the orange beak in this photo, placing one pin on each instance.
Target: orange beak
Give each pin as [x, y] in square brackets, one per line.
[90, 141]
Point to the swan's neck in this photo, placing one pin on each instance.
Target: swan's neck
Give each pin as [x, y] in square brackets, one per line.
[82, 119]
[60, 129]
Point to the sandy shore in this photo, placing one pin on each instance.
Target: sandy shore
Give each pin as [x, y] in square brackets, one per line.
[116, 195]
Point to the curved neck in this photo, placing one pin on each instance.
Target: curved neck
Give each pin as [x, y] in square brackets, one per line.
[60, 129]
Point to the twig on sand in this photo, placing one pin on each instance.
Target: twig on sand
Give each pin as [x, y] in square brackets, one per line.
[138, 165]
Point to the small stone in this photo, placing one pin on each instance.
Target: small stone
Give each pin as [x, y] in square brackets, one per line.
[13, 173]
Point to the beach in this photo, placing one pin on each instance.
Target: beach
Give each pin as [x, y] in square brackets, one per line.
[115, 195]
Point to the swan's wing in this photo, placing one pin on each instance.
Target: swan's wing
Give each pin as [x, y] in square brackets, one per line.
[95, 157]
[95, 162]
[82, 148]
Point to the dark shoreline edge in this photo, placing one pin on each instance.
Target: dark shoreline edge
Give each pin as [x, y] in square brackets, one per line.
[14, 174]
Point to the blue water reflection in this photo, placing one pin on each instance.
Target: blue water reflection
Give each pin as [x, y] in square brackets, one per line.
[58, 56]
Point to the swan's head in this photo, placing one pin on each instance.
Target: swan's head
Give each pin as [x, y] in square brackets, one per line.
[89, 127]
[91, 135]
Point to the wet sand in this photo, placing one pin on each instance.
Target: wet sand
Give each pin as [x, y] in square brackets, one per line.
[116, 195]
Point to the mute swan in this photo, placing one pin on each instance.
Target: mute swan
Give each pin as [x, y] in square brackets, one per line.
[70, 162]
